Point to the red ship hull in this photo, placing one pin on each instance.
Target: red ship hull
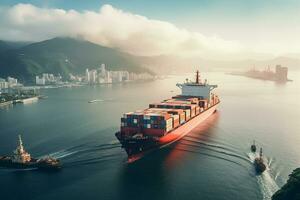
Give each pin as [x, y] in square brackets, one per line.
[138, 148]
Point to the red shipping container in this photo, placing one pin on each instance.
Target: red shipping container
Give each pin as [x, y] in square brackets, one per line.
[129, 131]
[176, 123]
[154, 132]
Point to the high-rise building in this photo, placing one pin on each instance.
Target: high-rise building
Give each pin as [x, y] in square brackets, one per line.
[40, 81]
[281, 73]
[93, 76]
[102, 69]
[87, 75]
[3, 84]
[12, 82]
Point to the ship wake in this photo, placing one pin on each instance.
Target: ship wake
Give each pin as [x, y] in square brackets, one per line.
[87, 153]
[266, 181]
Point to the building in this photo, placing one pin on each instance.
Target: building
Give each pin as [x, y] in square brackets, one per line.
[87, 76]
[46, 79]
[108, 76]
[12, 82]
[281, 73]
[3, 84]
[93, 76]
[102, 69]
[40, 81]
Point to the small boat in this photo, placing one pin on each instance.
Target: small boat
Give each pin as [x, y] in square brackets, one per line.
[96, 100]
[253, 147]
[22, 160]
[259, 164]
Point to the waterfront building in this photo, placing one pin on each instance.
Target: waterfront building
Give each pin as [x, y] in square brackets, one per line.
[102, 70]
[40, 81]
[12, 82]
[93, 76]
[3, 84]
[281, 73]
[46, 79]
[108, 77]
[87, 76]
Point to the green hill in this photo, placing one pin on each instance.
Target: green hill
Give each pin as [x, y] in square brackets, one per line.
[64, 56]
[291, 190]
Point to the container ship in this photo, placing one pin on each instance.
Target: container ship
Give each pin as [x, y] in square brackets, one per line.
[23, 160]
[168, 121]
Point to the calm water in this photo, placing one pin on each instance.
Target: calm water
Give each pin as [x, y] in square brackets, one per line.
[212, 162]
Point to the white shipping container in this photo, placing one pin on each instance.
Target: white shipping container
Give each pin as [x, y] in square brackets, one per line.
[169, 121]
[175, 117]
[187, 112]
[169, 129]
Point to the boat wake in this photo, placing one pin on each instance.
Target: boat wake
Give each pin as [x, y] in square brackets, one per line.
[62, 154]
[18, 170]
[266, 181]
[212, 149]
[87, 153]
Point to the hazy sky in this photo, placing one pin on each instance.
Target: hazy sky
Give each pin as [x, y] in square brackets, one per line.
[207, 28]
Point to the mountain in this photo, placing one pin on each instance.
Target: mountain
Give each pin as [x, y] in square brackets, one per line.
[3, 46]
[6, 45]
[64, 56]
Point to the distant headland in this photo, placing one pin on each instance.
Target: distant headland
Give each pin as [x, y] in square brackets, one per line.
[279, 75]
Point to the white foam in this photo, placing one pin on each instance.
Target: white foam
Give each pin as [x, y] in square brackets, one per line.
[265, 181]
[61, 154]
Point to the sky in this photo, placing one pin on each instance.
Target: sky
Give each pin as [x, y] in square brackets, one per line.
[207, 28]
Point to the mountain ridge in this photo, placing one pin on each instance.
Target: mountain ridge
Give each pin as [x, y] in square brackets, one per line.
[63, 56]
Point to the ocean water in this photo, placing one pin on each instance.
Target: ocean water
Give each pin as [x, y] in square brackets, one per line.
[213, 162]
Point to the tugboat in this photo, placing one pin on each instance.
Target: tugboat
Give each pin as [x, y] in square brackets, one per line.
[259, 164]
[22, 160]
[253, 147]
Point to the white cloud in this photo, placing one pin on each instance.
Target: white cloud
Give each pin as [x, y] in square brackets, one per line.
[111, 27]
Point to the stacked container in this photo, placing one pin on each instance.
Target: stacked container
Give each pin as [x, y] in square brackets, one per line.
[163, 117]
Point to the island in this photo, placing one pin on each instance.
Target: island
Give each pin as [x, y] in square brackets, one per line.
[280, 74]
[291, 190]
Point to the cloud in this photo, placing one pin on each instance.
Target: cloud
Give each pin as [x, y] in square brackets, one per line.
[110, 27]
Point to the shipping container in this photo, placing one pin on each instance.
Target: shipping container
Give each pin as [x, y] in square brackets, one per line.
[129, 131]
[187, 114]
[197, 110]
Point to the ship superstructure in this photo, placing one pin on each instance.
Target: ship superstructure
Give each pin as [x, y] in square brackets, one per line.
[169, 120]
[20, 155]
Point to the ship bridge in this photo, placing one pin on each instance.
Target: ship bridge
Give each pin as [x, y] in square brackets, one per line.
[197, 88]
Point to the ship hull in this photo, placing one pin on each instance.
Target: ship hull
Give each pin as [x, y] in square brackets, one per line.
[34, 163]
[137, 148]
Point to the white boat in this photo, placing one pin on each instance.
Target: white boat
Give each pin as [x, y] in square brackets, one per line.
[96, 100]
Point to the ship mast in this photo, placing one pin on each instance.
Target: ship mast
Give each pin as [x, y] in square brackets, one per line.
[197, 77]
[21, 144]
[260, 153]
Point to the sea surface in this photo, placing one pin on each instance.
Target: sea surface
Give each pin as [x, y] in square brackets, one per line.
[213, 162]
